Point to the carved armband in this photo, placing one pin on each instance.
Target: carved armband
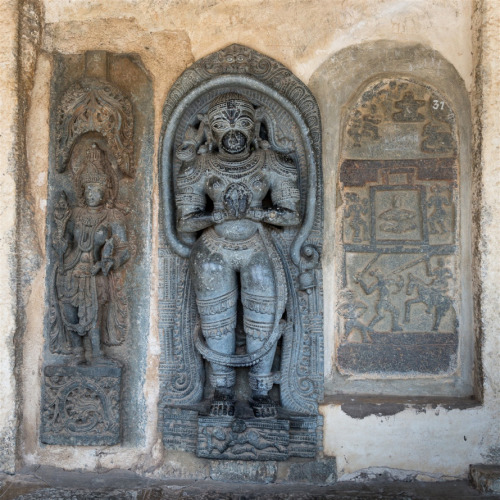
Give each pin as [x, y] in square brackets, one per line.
[285, 192]
[190, 195]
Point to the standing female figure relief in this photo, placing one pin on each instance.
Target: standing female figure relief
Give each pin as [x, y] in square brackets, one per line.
[91, 242]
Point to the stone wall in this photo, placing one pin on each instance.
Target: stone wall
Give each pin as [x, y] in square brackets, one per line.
[435, 437]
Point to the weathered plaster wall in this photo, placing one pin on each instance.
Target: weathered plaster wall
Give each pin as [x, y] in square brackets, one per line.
[8, 144]
[443, 441]
[490, 212]
[302, 34]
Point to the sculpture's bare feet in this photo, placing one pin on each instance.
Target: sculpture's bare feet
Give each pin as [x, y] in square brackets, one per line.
[264, 407]
[101, 360]
[78, 359]
[222, 404]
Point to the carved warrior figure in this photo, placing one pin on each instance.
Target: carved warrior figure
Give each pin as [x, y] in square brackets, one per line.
[355, 212]
[382, 284]
[91, 243]
[234, 256]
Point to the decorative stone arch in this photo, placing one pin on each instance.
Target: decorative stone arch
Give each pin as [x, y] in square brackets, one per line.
[289, 116]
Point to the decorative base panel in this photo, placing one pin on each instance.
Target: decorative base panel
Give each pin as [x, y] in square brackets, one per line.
[81, 405]
[240, 438]
[180, 429]
[305, 436]
[233, 438]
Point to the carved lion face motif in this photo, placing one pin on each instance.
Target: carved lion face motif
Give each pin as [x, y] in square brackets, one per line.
[232, 124]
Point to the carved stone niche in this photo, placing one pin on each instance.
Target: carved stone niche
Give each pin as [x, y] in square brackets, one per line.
[399, 214]
[241, 311]
[101, 124]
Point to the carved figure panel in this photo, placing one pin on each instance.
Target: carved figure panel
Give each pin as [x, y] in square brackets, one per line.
[399, 181]
[92, 241]
[241, 282]
[250, 439]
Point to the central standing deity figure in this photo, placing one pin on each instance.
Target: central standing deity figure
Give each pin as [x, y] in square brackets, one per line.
[91, 243]
[229, 191]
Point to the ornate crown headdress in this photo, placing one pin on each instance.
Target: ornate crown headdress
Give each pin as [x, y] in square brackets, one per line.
[230, 100]
[93, 172]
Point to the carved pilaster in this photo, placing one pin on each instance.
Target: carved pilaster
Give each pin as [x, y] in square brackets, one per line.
[92, 242]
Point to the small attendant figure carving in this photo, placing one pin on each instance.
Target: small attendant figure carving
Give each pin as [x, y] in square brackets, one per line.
[234, 256]
[91, 243]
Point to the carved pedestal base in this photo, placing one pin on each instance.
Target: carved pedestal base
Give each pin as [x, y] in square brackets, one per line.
[242, 438]
[180, 429]
[233, 438]
[81, 405]
[305, 436]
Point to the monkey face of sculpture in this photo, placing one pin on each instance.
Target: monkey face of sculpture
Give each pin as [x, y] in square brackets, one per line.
[232, 123]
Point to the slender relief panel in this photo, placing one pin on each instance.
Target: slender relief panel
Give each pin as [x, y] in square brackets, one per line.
[397, 163]
[400, 213]
[92, 247]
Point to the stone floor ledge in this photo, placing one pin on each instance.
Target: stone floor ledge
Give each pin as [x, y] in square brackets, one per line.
[49, 483]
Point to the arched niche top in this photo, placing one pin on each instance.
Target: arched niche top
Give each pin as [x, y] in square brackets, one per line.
[266, 82]
[397, 117]
[246, 64]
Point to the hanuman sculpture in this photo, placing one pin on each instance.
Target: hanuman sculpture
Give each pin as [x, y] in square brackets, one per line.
[91, 243]
[230, 189]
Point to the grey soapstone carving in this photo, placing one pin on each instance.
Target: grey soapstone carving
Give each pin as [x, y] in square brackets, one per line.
[241, 284]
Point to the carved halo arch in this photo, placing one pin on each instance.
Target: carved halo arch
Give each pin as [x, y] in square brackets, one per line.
[356, 100]
[293, 97]
[276, 91]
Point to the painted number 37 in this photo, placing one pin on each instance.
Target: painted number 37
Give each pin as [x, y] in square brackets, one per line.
[437, 104]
